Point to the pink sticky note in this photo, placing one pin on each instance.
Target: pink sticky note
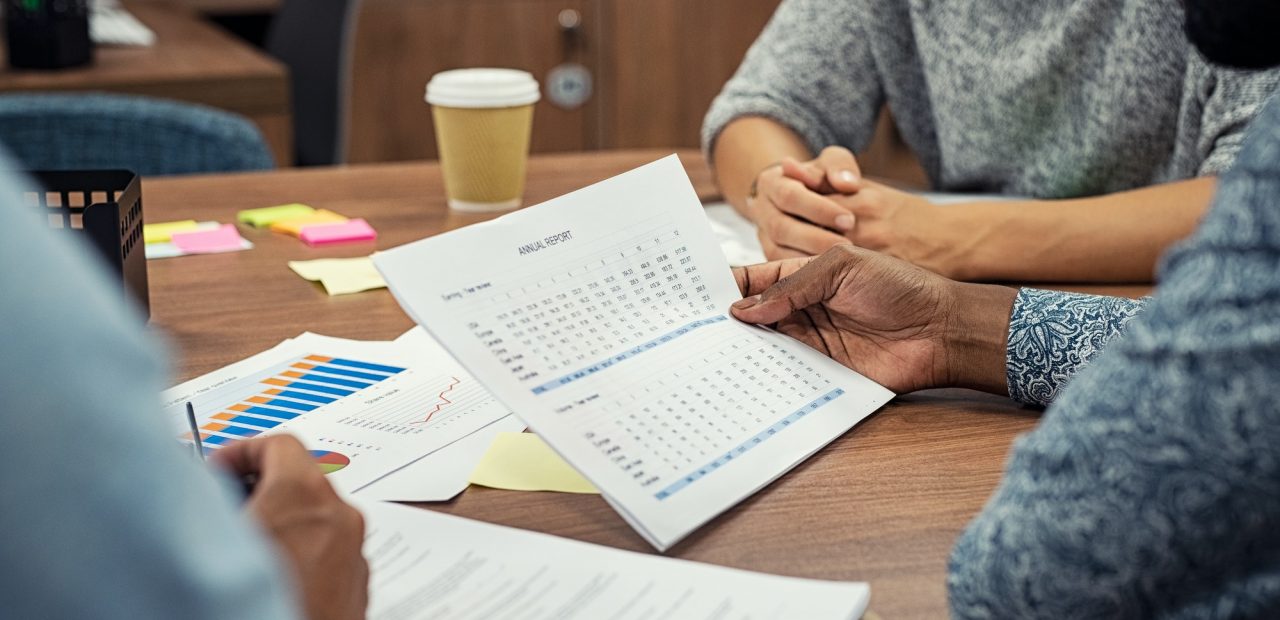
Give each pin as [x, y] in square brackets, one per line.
[225, 238]
[350, 230]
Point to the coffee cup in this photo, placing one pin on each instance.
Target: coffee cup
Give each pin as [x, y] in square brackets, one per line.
[483, 119]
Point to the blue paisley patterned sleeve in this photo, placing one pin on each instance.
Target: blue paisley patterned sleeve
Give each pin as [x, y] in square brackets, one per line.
[1151, 486]
[1052, 335]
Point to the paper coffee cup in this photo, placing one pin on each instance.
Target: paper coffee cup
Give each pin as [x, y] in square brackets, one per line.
[483, 119]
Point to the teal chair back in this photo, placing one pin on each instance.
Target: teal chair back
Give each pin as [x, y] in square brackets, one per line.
[148, 136]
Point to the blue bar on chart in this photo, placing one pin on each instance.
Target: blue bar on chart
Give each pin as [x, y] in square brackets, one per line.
[306, 385]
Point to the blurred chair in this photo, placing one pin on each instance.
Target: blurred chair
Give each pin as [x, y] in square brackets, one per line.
[313, 38]
[147, 136]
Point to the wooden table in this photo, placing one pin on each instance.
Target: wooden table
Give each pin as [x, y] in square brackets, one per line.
[191, 61]
[883, 504]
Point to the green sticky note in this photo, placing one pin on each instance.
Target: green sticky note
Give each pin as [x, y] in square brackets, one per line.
[259, 218]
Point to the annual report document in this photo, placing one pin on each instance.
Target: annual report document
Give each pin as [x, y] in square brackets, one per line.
[425, 565]
[601, 319]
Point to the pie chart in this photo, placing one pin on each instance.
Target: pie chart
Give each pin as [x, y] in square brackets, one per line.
[330, 461]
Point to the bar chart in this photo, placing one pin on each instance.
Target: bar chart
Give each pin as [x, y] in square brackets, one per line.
[300, 386]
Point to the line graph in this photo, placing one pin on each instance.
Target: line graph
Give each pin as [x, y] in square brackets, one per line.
[444, 400]
[417, 405]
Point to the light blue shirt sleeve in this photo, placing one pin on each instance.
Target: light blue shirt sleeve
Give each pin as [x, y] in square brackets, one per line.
[103, 514]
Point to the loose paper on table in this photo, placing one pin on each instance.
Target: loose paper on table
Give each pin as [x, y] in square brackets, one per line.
[443, 474]
[162, 232]
[224, 238]
[294, 225]
[364, 409]
[265, 216]
[425, 565]
[344, 232]
[340, 276]
[601, 318]
[523, 462]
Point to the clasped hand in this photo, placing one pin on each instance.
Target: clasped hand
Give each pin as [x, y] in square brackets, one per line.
[804, 208]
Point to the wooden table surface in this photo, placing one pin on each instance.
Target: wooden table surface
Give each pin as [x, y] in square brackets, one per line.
[883, 504]
[192, 61]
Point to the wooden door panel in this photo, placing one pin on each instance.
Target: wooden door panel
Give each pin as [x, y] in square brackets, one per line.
[666, 60]
[400, 44]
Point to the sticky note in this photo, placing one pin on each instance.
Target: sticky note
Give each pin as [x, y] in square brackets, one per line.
[350, 230]
[259, 218]
[340, 276]
[523, 462]
[225, 238]
[162, 250]
[162, 232]
[293, 226]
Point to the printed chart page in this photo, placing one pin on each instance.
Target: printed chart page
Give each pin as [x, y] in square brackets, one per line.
[426, 565]
[600, 318]
[363, 409]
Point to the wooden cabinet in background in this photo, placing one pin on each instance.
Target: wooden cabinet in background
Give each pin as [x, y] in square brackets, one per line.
[665, 62]
[655, 66]
[400, 44]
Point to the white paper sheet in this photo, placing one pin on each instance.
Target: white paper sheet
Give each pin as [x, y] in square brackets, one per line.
[365, 408]
[601, 318]
[429, 565]
[443, 474]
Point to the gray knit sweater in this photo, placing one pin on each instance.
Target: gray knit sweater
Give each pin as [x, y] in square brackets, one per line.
[1051, 99]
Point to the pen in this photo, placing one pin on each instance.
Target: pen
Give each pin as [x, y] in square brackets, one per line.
[195, 432]
[247, 481]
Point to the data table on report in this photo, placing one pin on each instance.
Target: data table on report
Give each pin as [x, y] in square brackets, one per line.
[601, 318]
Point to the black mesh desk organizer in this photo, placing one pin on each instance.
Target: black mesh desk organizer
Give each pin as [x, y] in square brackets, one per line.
[106, 207]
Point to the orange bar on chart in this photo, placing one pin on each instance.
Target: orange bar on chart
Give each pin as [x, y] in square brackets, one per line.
[272, 392]
[304, 366]
[239, 408]
[224, 416]
[279, 382]
[292, 373]
[213, 426]
[319, 358]
[261, 400]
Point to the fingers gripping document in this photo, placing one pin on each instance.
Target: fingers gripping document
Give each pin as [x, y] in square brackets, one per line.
[600, 318]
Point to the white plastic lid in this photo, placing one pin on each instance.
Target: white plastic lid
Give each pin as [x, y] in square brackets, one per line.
[482, 88]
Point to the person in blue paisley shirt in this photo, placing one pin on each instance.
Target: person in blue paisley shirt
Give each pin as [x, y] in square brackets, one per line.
[1151, 486]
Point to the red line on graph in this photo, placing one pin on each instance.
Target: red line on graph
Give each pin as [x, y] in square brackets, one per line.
[444, 400]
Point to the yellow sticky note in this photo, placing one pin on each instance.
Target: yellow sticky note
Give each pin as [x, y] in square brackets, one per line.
[259, 218]
[293, 226]
[340, 276]
[523, 462]
[162, 232]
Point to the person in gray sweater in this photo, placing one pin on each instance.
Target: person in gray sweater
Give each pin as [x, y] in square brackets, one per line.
[1098, 111]
[1151, 487]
